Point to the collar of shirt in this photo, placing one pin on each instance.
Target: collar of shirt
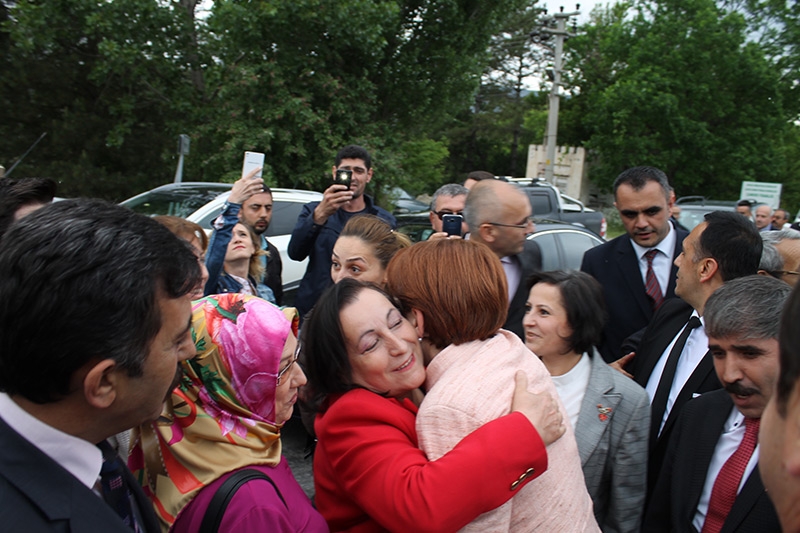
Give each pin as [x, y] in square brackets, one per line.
[513, 270]
[79, 457]
[662, 263]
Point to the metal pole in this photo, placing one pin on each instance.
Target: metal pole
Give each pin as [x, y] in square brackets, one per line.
[560, 34]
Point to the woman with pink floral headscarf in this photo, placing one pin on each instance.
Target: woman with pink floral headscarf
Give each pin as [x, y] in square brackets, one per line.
[225, 416]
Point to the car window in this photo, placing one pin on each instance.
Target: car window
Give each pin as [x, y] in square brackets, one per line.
[170, 203]
[574, 244]
[284, 217]
[540, 203]
[549, 247]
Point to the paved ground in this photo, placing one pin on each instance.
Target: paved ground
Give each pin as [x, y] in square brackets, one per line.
[293, 440]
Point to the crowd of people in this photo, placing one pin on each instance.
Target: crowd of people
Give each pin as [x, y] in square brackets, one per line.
[147, 370]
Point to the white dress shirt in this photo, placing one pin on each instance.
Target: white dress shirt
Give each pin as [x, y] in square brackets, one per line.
[80, 458]
[513, 271]
[693, 352]
[729, 440]
[662, 262]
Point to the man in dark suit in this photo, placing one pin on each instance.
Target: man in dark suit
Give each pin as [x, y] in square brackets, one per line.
[94, 318]
[673, 362]
[709, 481]
[779, 437]
[499, 215]
[636, 269]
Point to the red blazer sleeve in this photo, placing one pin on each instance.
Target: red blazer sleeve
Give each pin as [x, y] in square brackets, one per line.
[371, 445]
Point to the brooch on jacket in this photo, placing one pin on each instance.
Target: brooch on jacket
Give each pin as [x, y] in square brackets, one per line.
[604, 412]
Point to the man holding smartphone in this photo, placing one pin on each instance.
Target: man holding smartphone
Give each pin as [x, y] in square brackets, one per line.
[448, 199]
[320, 223]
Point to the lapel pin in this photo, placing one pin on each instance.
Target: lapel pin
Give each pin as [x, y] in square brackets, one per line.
[604, 412]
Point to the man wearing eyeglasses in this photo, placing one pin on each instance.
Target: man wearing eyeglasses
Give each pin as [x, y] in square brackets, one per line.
[787, 242]
[500, 216]
[449, 199]
[320, 223]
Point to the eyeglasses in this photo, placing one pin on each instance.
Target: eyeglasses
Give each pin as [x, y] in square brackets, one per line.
[524, 225]
[358, 171]
[287, 367]
[440, 214]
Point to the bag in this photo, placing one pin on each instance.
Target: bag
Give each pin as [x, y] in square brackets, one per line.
[216, 509]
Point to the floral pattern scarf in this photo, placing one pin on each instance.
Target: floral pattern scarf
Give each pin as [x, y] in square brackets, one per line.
[221, 416]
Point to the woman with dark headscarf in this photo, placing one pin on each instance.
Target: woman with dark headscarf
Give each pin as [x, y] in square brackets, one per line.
[224, 417]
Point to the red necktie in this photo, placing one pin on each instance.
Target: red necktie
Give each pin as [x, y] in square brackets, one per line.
[651, 286]
[726, 485]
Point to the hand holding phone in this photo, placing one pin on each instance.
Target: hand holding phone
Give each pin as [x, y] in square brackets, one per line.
[252, 161]
[451, 224]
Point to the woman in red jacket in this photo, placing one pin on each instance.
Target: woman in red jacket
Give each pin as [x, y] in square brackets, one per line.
[364, 362]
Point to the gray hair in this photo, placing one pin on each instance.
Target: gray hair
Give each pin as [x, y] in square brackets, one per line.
[746, 308]
[449, 189]
[774, 237]
[771, 259]
[765, 205]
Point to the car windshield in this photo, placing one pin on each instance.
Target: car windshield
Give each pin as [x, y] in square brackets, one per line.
[179, 202]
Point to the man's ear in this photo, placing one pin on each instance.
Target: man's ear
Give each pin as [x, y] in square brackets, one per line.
[486, 232]
[369, 176]
[708, 269]
[100, 384]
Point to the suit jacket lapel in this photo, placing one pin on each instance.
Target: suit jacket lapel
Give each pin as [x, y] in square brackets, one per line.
[628, 265]
[706, 436]
[704, 369]
[667, 331]
[673, 275]
[590, 428]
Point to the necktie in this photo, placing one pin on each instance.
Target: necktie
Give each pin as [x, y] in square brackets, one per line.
[652, 287]
[723, 494]
[659, 405]
[115, 489]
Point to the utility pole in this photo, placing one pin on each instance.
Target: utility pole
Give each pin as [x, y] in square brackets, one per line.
[560, 33]
[183, 149]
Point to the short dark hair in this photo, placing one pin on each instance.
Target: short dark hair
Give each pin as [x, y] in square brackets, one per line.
[789, 340]
[744, 203]
[353, 151]
[480, 175]
[18, 193]
[747, 307]
[638, 177]
[80, 281]
[582, 298]
[324, 349]
[733, 242]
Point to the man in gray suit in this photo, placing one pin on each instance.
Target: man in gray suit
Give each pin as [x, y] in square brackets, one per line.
[709, 480]
[95, 315]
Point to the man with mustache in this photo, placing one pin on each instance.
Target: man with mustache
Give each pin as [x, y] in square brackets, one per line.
[673, 363]
[636, 269]
[710, 481]
[95, 315]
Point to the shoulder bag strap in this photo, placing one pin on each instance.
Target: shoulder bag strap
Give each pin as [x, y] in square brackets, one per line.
[216, 509]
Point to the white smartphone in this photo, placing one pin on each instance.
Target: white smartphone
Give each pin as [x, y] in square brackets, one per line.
[252, 160]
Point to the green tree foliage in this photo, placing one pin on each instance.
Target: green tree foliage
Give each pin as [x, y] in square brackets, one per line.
[114, 83]
[492, 135]
[680, 87]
